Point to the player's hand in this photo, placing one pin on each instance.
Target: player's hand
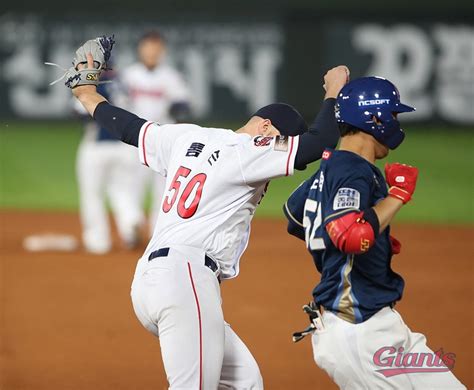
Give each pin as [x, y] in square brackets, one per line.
[99, 50]
[401, 179]
[81, 89]
[335, 79]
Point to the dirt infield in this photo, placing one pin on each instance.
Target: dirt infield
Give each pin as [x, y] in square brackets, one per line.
[66, 320]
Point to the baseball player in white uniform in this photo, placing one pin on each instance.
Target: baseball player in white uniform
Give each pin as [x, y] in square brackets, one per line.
[154, 90]
[107, 168]
[215, 178]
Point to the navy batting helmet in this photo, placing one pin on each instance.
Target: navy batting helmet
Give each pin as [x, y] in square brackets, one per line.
[369, 104]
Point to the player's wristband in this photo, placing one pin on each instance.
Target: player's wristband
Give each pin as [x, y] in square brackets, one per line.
[399, 193]
[120, 123]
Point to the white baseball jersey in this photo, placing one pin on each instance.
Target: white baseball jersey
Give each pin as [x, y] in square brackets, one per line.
[150, 93]
[215, 180]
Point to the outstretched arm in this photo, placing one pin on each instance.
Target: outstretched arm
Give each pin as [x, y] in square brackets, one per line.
[120, 123]
[323, 132]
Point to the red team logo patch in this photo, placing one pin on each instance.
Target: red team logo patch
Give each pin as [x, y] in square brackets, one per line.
[326, 154]
[262, 141]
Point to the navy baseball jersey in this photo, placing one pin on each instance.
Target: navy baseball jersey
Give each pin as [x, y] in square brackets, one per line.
[353, 286]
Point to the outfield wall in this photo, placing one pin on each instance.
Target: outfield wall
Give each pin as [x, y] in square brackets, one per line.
[235, 64]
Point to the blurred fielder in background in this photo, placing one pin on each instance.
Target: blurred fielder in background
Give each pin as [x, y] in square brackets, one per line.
[107, 169]
[154, 90]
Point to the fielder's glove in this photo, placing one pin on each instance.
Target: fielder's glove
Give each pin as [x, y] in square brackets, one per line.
[100, 49]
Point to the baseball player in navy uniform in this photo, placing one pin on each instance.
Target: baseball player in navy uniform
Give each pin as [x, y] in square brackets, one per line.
[215, 178]
[343, 214]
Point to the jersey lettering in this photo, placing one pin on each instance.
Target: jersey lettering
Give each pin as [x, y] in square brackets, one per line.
[195, 149]
[312, 218]
[311, 222]
[213, 158]
[196, 183]
[188, 211]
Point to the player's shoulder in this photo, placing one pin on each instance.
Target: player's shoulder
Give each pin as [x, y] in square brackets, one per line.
[131, 73]
[310, 183]
[260, 143]
[132, 69]
[227, 136]
[210, 132]
[346, 163]
[168, 69]
[167, 72]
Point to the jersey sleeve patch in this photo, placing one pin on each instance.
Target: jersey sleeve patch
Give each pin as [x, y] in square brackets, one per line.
[281, 143]
[262, 141]
[346, 198]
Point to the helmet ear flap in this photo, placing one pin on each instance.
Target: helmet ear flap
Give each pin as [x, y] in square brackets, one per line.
[393, 135]
[389, 133]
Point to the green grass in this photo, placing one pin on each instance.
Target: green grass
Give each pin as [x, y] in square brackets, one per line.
[37, 165]
[37, 172]
[445, 183]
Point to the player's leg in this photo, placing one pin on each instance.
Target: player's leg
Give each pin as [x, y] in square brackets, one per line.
[390, 352]
[359, 355]
[91, 175]
[415, 343]
[179, 300]
[239, 369]
[122, 184]
[335, 350]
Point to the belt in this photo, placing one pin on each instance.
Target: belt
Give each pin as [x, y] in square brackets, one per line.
[163, 252]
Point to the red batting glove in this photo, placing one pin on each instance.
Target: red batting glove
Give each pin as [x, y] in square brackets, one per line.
[401, 179]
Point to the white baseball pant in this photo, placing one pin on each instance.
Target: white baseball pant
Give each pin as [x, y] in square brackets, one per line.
[347, 352]
[177, 298]
[108, 168]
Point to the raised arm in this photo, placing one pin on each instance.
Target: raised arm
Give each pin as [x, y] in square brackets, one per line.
[87, 94]
[120, 123]
[323, 132]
